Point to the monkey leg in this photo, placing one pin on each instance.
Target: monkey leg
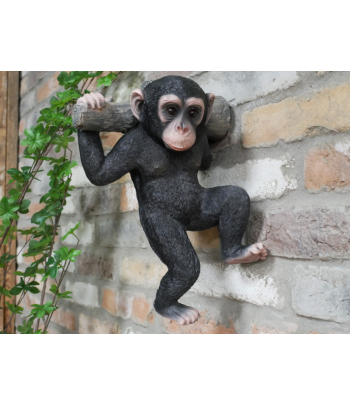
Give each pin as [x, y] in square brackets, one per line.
[170, 242]
[229, 208]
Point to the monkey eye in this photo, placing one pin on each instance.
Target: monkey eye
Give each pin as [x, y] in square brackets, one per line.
[171, 111]
[193, 113]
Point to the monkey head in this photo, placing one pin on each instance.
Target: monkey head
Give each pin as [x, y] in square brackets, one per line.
[171, 110]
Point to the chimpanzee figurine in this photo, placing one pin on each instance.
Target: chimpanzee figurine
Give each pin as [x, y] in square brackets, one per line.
[163, 155]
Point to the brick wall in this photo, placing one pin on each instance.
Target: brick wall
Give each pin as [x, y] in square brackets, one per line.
[289, 147]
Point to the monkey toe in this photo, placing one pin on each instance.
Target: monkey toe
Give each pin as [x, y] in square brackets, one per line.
[248, 254]
[180, 313]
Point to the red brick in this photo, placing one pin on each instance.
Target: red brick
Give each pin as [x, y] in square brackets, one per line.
[202, 326]
[49, 87]
[109, 139]
[95, 265]
[109, 301]
[34, 208]
[125, 301]
[208, 239]
[327, 169]
[30, 80]
[264, 330]
[96, 326]
[128, 199]
[311, 233]
[117, 303]
[140, 309]
[65, 318]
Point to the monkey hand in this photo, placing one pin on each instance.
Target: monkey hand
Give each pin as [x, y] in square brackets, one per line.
[93, 101]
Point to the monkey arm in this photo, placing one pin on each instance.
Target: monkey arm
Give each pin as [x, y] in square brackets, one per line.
[207, 156]
[102, 170]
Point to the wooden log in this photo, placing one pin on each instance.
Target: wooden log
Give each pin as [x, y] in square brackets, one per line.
[117, 117]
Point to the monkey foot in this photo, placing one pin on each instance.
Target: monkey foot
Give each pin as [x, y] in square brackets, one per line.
[180, 313]
[248, 254]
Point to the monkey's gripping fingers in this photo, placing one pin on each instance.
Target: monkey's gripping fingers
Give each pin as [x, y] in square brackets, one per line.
[93, 101]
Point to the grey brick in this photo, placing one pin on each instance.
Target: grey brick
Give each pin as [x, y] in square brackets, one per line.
[322, 292]
[240, 87]
[309, 233]
[124, 230]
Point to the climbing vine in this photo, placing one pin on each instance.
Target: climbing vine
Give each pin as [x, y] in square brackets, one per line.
[48, 141]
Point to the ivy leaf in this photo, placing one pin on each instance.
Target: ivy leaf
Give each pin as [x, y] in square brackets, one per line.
[71, 231]
[40, 310]
[62, 253]
[14, 194]
[63, 140]
[106, 80]
[5, 259]
[7, 211]
[36, 139]
[5, 292]
[13, 309]
[26, 328]
[66, 294]
[53, 288]
[10, 234]
[73, 253]
[23, 209]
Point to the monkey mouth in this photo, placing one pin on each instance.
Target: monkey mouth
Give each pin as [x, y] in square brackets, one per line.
[179, 145]
[176, 148]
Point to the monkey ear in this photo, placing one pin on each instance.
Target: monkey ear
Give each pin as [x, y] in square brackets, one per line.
[136, 102]
[209, 98]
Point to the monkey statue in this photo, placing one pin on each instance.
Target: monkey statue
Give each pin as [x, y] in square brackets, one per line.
[163, 155]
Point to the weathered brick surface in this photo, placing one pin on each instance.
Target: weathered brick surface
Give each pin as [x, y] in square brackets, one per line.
[65, 318]
[124, 304]
[109, 139]
[35, 207]
[118, 303]
[141, 307]
[98, 265]
[109, 301]
[240, 87]
[142, 273]
[208, 239]
[328, 168]
[49, 87]
[264, 330]
[125, 231]
[99, 200]
[303, 233]
[236, 283]
[79, 178]
[128, 199]
[27, 102]
[83, 293]
[260, 178]
[322, 292]
[85, 233]
[298, 117]
[91, 325]
[202, 326]
[125, 178]
[29, 81]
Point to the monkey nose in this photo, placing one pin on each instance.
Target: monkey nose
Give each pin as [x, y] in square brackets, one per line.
[182, 130]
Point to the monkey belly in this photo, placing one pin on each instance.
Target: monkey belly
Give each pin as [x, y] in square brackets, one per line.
[180, 198]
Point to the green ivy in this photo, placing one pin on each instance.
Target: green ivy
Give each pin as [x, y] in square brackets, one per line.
[54, 129]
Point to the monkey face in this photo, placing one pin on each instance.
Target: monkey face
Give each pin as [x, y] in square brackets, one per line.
[180, 119]
[171, 109]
